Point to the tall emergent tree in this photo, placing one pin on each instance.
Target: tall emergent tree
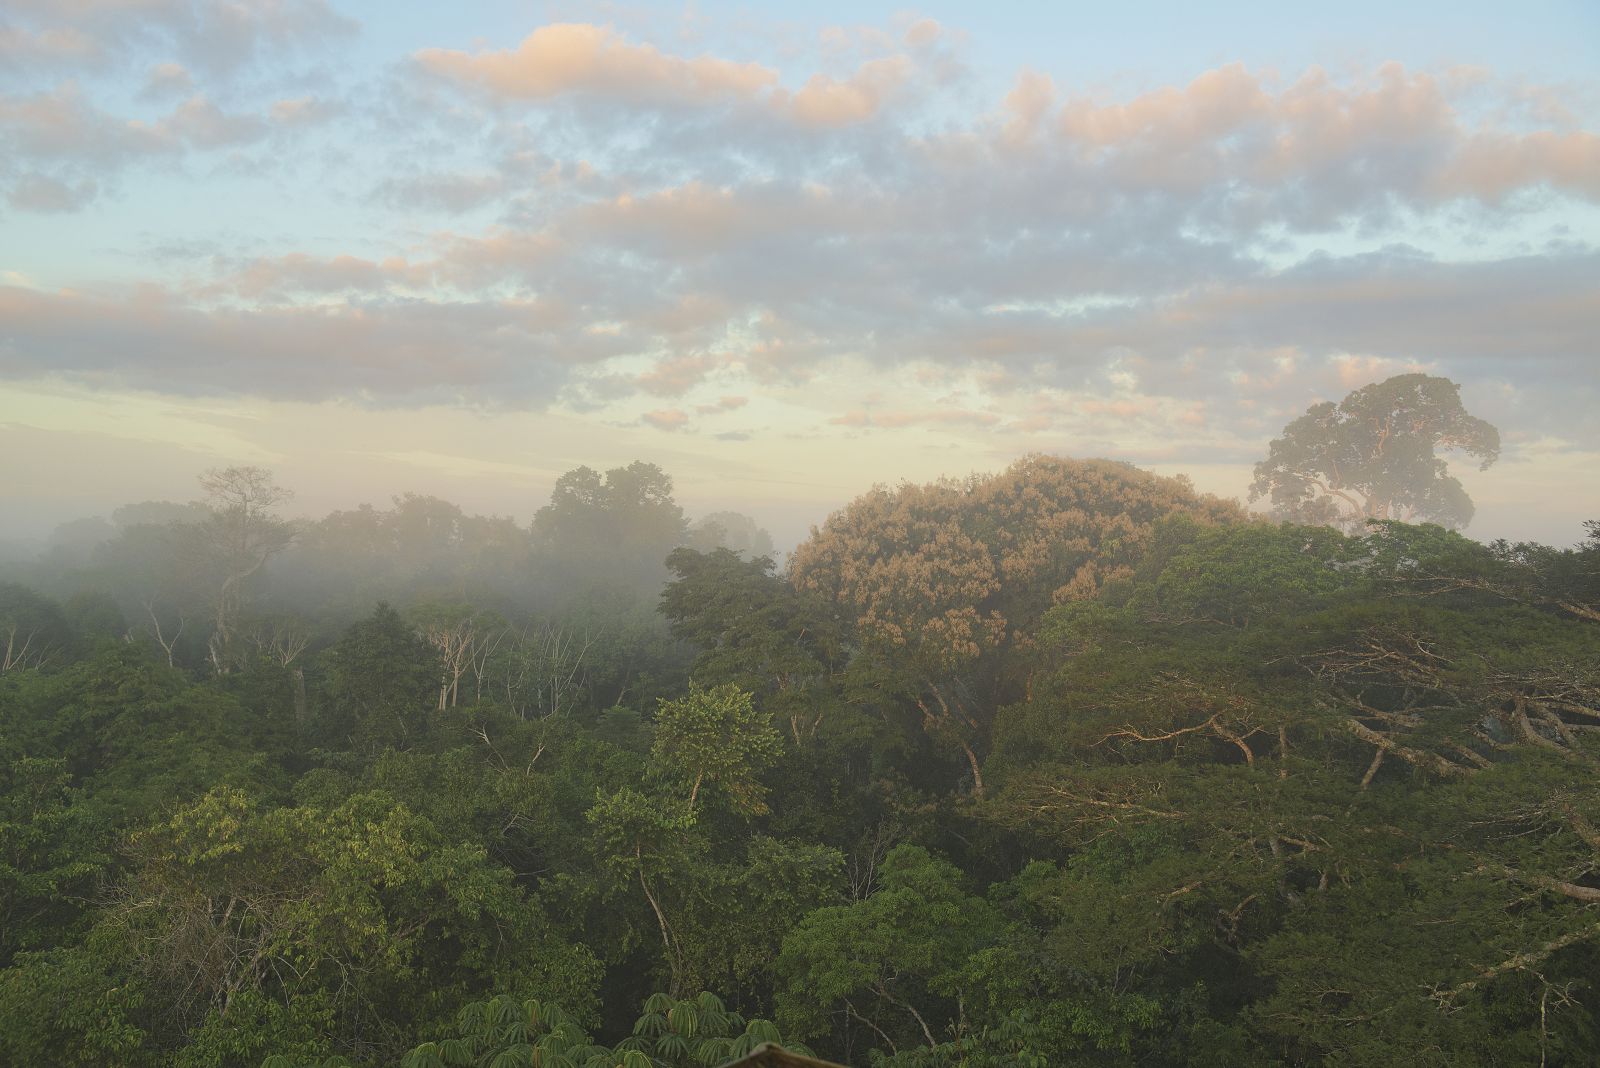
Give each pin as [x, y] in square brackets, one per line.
[945, 582]
[1373, 456]
[616, 527]
[239, 536]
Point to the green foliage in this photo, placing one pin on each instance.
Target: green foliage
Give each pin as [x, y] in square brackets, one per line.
[1268, 794]
[49, 855]
[910, 943]
[72, 1007]
[382, 681]
[135, 735]
[697, 1032]
[758, 632]
[1256, 794]
[1372, 456]
[364, 912]
[715, 738]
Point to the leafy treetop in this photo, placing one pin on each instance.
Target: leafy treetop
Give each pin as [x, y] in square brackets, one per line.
[1373, 456]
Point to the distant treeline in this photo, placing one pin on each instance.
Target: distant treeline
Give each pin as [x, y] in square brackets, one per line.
[222, 579]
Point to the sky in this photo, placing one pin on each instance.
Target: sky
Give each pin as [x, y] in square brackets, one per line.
[783, 251]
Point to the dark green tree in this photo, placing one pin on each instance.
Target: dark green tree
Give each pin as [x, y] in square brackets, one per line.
[757, 631]
[896, 962]
[382, 681]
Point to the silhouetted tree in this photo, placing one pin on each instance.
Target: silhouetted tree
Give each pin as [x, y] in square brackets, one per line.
[1373, 456]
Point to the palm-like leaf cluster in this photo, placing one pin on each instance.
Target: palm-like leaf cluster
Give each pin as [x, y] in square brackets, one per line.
[502, 1032]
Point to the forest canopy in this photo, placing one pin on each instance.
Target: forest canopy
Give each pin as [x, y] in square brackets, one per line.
[1069, 764]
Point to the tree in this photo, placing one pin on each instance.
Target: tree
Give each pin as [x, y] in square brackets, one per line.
[455, 631]
[32, 629]
[875, 961]
[49, 858]
[1275, 754]
[611, 530]
[247, 921]
[757, 631]
[730, 530]
[240, 536]
[639, 837]
[136, 735]
[1373, 456]
[672, 1032]
[946, 582]
[382, 677]
[716, 736]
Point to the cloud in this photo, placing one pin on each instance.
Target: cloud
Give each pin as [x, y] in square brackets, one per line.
[826, 101]
[1509, 313]
[568, 59]
[168, 79]
[444, 192]
[674, 377]
[201, 124]
[722, 404]
[696, 227]
[668, 419]
[21, 47]
[1027, 105]
[1316, 149]
[41, 193]
[923, 33]
[280, 277]
[60, 140]
[219, 38]
[1493, 164]
[564, 58]
[61, 124]
[88, 71]
[404, 353]
[300, 111]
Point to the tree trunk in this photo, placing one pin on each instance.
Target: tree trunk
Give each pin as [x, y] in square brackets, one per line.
[661, 919]
[977, 775]
[300, 701]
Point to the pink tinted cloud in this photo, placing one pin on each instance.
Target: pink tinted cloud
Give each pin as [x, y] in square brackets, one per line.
[568, 58]
[827, 101]
[576, 57]
[168, 78]
[1399, 127]
[20, 46]
[677, 375]
[723, 404]
[668, 419]
[922, 33]
[301, 272]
